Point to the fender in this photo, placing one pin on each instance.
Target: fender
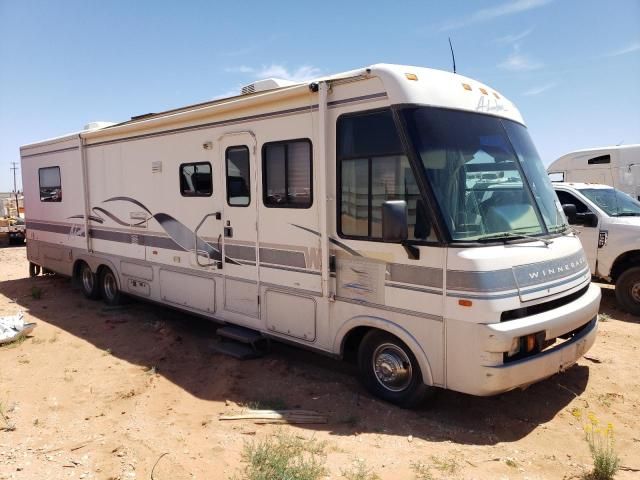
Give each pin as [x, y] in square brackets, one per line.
[393, 328]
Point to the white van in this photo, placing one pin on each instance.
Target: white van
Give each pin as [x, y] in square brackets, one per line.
[608, 224]
[618, 167]
[396, 215]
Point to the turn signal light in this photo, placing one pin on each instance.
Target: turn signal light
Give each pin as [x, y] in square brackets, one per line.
[465, 303]
[411, 76]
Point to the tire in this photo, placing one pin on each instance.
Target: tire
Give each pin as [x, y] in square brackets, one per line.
[109, 287]
[628, 290]
[380, 348]
[34, 270]
[88, 282]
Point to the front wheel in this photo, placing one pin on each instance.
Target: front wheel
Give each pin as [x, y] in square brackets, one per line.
[109, 287]
[628, 290]
[390, 371]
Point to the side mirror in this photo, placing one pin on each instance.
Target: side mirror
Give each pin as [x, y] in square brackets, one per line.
[571, 212]
[589, 219]
[395, 225]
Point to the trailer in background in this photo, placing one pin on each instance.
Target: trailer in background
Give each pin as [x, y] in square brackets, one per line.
[617, 166]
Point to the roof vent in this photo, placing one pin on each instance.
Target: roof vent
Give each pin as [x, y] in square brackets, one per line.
[266, 84]
[97, 125]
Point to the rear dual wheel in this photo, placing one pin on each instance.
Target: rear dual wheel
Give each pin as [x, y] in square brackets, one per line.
[109, 287]
[89, 282]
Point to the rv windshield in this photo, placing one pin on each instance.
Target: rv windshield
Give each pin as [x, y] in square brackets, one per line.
[486, 175]
[614, 202]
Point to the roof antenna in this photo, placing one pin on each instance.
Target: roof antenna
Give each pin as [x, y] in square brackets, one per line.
[453, 57]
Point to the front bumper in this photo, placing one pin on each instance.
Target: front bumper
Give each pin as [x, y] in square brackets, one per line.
[492, 376]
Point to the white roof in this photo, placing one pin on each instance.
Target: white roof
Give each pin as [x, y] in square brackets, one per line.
[403, 84]
[609, 148]
[581, 185]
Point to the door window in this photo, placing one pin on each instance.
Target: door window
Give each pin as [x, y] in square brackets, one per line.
[238, 176]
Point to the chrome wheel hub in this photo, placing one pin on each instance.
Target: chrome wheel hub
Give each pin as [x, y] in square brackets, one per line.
[635, 292]
[87, 279]
[392, 367]
[110, 287]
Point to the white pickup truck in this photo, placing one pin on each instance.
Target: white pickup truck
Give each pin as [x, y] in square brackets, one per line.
[607, 221]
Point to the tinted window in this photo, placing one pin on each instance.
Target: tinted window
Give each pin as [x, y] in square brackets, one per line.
[50, 184]
[287, 174]
[238, 181]
[367, 134]
[373, 170]
[195, 179]
[600, 160]
[567, 199]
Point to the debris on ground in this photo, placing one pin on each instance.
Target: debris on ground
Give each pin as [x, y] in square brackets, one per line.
[12, 328]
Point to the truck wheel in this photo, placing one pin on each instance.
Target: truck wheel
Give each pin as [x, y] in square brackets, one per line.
[109, 287]
[34, 270]
[89, 282]
[390, 371]
[628, 290]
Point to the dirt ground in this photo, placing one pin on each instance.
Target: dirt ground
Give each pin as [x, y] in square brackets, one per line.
[102, 393]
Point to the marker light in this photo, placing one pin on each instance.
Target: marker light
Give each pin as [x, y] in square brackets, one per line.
[484, 92]
[496, 95]
[530, 342]
[466, 86]
[465, 303]
[411, 76]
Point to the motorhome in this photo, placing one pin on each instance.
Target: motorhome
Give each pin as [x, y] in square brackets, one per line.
[617, 166]
[393, 215]
[607, 221]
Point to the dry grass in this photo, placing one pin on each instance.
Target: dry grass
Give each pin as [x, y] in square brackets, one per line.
[284, 456]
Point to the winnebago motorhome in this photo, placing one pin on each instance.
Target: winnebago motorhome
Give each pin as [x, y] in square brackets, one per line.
[618, 167]
[396, 215]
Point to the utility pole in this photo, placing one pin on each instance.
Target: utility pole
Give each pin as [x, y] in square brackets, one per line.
[14, 167]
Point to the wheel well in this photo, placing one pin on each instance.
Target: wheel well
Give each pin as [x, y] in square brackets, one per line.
[76, 269]
[624, 261]
[352, 341]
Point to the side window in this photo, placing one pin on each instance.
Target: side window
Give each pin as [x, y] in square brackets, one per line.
[602, 159]
[567, 199]
[238, 176]
[373, 169]
[195, 179]
[50, 184]
[287, 174]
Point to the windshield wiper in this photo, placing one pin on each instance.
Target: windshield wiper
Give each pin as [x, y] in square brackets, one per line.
[512, 236]
[626, 214]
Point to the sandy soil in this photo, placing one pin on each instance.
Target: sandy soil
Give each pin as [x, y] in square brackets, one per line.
[103, 393]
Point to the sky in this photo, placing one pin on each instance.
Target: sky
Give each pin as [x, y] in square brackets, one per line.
[571, 66]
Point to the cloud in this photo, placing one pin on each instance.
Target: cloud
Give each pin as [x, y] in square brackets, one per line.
[513, 38]
[300, 74]
[540, 89]
[305, 72]
[239, 69]
[487, 14]
[519, 62]
[634, 47]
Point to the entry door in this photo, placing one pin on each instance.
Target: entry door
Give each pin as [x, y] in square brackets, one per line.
[240, 235]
